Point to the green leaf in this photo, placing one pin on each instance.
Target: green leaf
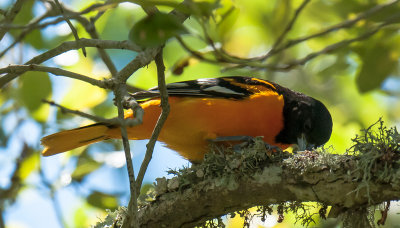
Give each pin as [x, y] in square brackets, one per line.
[202, 8]
[156, 29]
[85, 166]
[25, 14]
[229, 18]
[102, 200]
[339, 66]
[35, 86]
[29, 164]
[378, 62]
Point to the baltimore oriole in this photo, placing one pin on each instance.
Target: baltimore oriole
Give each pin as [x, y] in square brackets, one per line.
[206, 109]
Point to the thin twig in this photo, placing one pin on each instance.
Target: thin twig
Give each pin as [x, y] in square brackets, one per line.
[194, 53]
[10, 15]
[223, 57]
[26, 31]
[34, 24]
[98, 119]
[73, 30]
[72, 45]
[326, 50]
[341, 25]
[20, 69]
[287, 29]
[141, 60]
[332, 47]
[165, 108]
[91, 30]
[132, 218]
[113, 121]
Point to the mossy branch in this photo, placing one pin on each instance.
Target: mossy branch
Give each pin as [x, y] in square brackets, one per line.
[225, 183]
[328, 179]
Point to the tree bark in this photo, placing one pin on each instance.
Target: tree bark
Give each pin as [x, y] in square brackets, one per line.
[330, 179]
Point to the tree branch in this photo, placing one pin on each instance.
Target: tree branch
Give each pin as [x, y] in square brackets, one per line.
[72, 45]
[10, 15]
[20, 69]
[161, 120]
[326, 50]
[332, 47]
[342, 25]
[287, 29]
[119, 97]
[325, 178]
[35, 23]
[73, 30]
[91, 30]
[259, 62]
[83, 114]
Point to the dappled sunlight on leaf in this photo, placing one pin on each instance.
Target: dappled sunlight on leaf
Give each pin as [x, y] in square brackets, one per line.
[82, 95]
[35, 86]
[28, 166]
[42, 113]
[145, 77]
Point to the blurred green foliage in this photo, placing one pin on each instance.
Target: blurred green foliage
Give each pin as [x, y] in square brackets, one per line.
[155, 29]
[359, 82]
[37, 83]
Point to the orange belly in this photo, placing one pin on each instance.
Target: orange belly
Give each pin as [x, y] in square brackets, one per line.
[192, 121]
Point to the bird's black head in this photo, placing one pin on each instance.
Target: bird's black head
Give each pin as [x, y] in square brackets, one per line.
[305, 119]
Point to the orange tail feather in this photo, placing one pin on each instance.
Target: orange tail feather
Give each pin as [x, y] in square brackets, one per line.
[71, 139]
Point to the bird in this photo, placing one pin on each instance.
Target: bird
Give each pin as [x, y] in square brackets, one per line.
[210, 109]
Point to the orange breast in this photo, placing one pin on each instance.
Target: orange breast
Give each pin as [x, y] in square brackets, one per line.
[194, 120]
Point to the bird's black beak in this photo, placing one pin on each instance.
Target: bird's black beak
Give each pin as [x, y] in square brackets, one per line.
[303, 144]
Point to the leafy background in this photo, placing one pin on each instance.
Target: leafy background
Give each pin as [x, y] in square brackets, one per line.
[359, 83]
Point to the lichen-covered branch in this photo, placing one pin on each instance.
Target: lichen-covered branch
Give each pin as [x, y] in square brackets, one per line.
[325, 178]
[227, 181]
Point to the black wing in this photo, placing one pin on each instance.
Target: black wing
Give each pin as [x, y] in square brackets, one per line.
[235, 87]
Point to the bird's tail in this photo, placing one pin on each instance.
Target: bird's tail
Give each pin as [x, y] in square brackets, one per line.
[71, 139]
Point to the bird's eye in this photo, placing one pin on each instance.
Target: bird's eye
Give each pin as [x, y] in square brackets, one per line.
[307, 125]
